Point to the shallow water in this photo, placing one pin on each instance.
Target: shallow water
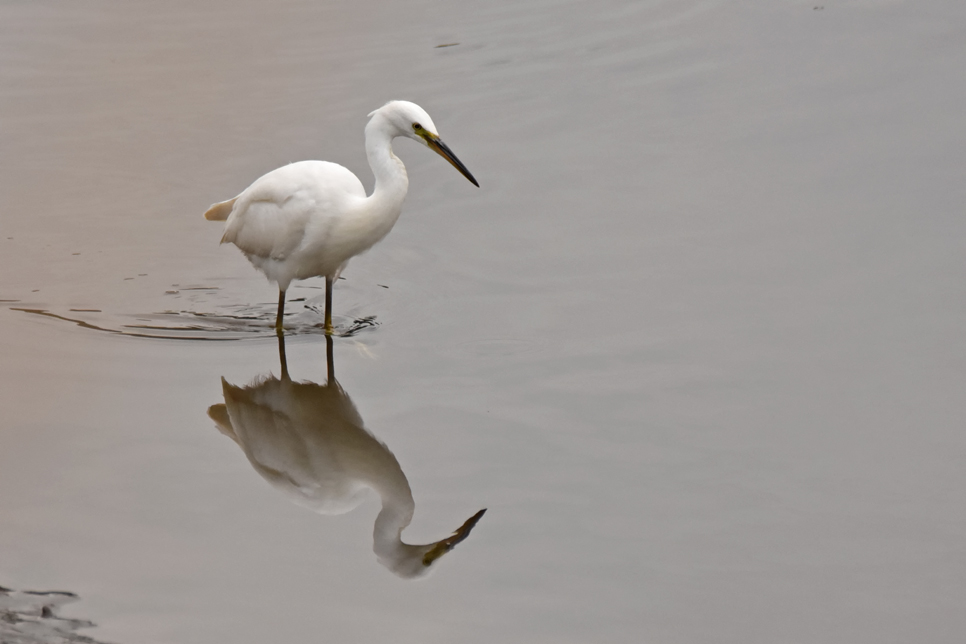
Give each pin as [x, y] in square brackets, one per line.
[28, 617]
[696, 343]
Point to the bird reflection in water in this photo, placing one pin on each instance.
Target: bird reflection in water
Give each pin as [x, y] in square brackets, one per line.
[309, 442]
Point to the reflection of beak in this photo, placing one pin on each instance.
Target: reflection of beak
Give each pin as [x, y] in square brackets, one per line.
[440, 548]
[443, 150]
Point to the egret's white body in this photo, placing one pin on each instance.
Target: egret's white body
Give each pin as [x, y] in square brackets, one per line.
[308, 219]
[309, 442]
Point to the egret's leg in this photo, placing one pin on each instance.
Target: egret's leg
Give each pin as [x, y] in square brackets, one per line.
[329, 360]
[281, 310]
[328, 306]
[281, 356]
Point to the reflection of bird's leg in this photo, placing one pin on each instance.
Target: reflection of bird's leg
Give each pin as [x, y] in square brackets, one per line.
[328, 306]
[281, 310]
[329, 361]
[281, 355]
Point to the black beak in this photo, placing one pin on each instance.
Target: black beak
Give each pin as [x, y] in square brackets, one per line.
[440, 548]
[443, 150]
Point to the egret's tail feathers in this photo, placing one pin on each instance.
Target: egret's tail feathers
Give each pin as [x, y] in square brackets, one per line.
[220, 211]
[219, 414]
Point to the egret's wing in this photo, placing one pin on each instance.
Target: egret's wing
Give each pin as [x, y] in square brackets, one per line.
[268, 227]
[270, 218]
[268, 432]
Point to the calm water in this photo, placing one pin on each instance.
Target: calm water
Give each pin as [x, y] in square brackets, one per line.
[696, 343]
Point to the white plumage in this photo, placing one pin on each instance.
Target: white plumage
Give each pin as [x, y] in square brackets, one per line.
[308, 219]
[309, 442]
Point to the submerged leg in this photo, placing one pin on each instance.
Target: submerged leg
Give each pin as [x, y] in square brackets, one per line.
[329, 361]
[281, 356]
[328, 306]
[281, 310]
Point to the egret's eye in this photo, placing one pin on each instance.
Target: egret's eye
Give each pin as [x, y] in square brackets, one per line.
[417, 127]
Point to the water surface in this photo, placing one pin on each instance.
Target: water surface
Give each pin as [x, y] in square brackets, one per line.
[696, 343]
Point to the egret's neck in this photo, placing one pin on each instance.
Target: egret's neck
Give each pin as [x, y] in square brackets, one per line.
[396, 513]
[392, 182]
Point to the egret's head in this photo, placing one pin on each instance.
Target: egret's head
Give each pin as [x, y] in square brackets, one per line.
[412, 562]
[410, 120]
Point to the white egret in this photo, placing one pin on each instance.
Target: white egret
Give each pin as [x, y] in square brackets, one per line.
[309, 442]
[309, 218]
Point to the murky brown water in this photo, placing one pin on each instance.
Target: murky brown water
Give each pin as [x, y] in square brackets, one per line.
[696, 343]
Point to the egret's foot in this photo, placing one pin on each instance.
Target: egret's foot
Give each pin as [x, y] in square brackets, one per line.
[348, 330]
